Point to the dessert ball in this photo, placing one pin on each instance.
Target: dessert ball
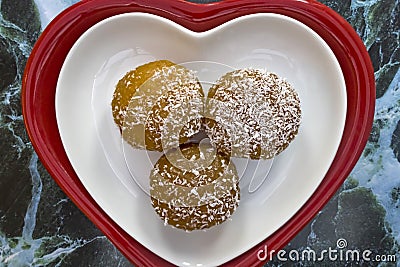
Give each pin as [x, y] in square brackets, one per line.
[158, 106]
[252, 114]
[194, 187]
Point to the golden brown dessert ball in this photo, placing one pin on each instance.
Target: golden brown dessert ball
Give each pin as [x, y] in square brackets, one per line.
[194, 187]
[252, 114]
[158, 105]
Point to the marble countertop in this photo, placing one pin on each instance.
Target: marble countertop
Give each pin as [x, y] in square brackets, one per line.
[40, 226]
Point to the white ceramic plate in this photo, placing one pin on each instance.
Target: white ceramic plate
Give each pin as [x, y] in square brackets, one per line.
[92, 142]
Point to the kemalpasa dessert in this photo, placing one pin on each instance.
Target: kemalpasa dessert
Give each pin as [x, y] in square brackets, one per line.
[251, 113]
[158, 106]
[194, 187]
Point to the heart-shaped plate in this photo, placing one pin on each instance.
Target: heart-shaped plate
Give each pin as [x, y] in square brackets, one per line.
[39, 89]
[265, 40]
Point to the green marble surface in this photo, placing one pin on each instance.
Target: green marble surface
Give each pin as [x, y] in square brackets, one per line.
[40, 226]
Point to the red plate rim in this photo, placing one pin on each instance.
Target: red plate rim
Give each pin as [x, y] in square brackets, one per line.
[44, 64]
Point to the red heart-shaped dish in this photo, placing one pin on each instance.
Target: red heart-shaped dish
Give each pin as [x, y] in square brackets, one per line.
[50, 53]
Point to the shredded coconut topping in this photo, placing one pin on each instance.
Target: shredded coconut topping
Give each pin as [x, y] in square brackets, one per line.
[164, 111]
[250, 113]
[195, 198]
